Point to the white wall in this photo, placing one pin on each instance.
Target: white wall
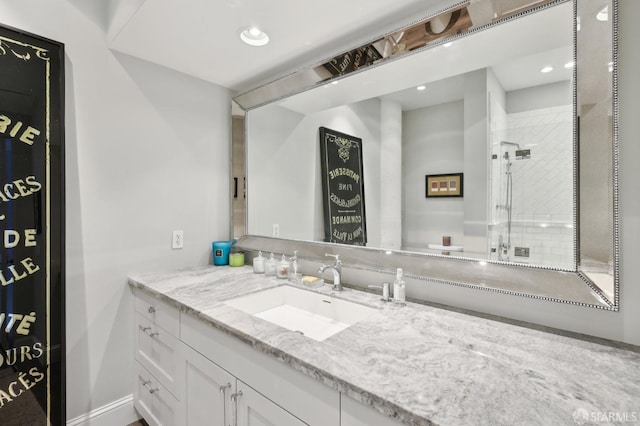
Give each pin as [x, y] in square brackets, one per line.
[390, 175]
[279, 190]
[476, 171]
[147, 151]
[538, 97]
[627, 323]
[433, 143]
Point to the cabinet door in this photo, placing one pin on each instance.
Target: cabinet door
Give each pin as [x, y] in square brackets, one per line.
[206, 393]
[253, 409]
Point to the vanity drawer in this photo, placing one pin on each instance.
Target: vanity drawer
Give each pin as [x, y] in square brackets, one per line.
[158, 312]
[152, 400]
[157, 351]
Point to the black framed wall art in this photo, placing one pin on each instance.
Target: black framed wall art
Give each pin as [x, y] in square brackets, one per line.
[342, 188]
[32, 262]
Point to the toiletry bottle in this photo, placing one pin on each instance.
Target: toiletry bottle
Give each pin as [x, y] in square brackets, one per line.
[270, 266]
[258, 263]
[399, 290]
[283, 267]
[294, 270]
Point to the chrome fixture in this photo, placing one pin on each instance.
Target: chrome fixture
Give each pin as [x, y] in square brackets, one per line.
[503, 248]
[385, 291]
[336, 267]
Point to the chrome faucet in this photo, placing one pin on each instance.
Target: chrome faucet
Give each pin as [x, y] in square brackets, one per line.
[336, 268]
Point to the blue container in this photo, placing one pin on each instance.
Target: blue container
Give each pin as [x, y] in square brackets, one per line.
[221, 251]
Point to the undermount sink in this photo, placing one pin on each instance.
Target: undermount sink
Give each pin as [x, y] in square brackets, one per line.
[314, 315]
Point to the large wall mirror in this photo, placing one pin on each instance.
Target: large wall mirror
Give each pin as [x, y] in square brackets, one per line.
[517, 98]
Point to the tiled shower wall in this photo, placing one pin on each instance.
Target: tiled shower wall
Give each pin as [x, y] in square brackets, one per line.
[542, 207]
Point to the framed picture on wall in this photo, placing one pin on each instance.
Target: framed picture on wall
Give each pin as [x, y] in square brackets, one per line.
[32, 220]
[441, 186]
[342, 188]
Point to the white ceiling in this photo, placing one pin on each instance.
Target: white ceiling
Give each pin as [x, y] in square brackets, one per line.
[201, 37]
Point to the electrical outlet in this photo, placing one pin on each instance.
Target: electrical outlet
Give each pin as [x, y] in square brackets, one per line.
[177, 241]
[275, 230]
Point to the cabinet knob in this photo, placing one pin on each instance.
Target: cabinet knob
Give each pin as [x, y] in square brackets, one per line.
[148, 386]
[152, 309]
[234, 398]
[224, 388]
[148, 332]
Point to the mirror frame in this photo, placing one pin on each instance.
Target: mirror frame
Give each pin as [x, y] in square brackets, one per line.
[489, 275]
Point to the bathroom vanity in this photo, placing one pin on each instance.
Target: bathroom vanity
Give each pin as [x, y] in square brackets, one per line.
[202, 356]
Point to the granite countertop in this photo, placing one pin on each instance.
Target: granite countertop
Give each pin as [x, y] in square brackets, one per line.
[424, 365]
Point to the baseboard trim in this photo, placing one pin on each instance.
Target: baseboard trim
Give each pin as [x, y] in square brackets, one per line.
[120, 412]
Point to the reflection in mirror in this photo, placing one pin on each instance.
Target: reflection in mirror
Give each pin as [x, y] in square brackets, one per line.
[493, 114]
[238, 204]
[519, 107]
[597, 160]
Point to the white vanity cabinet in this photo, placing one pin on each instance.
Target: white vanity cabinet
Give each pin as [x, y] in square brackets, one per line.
[213, 396]
[156, 368]
[189, 373]
[269, 388]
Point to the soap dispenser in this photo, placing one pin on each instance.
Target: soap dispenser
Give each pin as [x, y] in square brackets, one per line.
[270, 266]
[283, 267]
[258, 263]
[399, 289]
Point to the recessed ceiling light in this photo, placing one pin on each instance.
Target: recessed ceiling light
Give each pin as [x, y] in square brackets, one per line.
[254, 36]
[422, 87]
[610, 65]
[577, 23]
[603, 14]
[569, 64]
[448, 44]
[546, 69]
